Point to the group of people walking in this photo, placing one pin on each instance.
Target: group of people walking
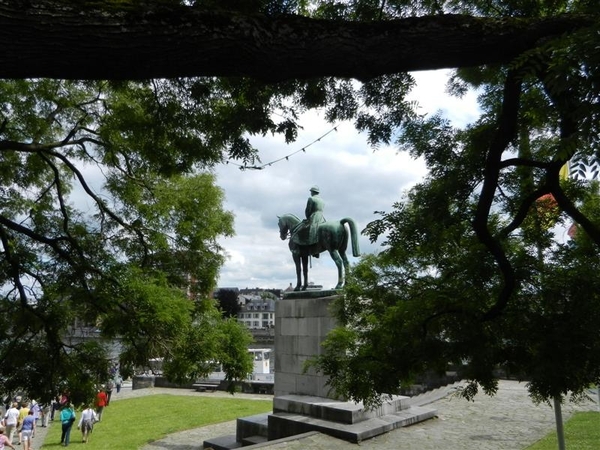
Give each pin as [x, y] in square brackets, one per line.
[90, 414]
[21, 417]
[86, 423]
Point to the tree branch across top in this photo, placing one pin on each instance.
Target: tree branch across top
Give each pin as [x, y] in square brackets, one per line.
[140, 41]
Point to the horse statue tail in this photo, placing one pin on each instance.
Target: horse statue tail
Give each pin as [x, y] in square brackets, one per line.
[353, 235]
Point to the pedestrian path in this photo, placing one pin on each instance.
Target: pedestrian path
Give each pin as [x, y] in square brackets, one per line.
[507, 421]
[40, 437]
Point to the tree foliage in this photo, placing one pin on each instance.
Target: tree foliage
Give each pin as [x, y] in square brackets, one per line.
[472, 274]
[109, 221]
[228, 302]
[214, 341]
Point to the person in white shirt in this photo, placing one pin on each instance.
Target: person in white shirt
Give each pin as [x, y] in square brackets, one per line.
[11, 418]
[86, 423]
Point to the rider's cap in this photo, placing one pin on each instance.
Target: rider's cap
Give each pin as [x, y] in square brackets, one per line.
[314, 189]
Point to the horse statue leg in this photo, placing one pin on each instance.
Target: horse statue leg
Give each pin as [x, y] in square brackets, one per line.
[296, 258]
[346, 264]
[305, 271]
[335, 255]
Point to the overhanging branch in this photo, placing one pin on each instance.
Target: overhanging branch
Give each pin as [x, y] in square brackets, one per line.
[72, 40]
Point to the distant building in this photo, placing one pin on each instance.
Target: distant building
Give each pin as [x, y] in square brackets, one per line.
[257, 311]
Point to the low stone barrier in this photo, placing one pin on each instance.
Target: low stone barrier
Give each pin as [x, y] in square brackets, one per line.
[143, 382]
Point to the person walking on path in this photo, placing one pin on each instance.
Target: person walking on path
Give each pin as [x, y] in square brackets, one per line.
[11, 420]
[45, 414]
[28, 430]
[119, 383]
[37, 410]
[23, 412]
[67, 417]
[54, 406]
[86, 423]
[64, 399]
[109, 388]
[4, 441]
[101, 402]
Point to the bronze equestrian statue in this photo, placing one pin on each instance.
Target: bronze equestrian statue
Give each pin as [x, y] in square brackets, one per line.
[314, 235]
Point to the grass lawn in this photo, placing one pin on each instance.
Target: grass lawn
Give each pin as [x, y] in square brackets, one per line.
[582, 432]
[131, 423]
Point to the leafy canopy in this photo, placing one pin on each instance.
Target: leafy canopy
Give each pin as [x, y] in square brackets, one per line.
[472, 274]
[109, 222]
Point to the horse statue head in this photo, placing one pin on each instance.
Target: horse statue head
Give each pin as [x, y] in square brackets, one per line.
[286, 224]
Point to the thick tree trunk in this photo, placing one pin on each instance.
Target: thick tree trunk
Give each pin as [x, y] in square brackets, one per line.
[63, 40]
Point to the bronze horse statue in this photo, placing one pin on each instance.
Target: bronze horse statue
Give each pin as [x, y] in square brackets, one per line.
[332, 237]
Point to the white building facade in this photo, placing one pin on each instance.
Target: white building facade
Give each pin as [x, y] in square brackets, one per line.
[257, 312]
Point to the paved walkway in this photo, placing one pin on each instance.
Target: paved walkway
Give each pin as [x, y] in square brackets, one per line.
[507, 421]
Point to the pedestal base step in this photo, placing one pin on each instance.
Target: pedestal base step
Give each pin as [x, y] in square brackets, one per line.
[217, 446]
[256, 425]
[222, 443]
[288, 424]
[251, 440]
[336, 410]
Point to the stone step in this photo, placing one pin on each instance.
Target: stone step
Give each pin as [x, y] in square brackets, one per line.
[282, 424]
[287, 440]
[253, 440]
[256, 425]
[222, 443]
[335, 410]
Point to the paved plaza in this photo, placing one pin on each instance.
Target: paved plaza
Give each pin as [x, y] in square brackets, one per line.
[507, 421]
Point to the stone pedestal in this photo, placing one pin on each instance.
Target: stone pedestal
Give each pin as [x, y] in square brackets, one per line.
[303, 403]
[302, 322]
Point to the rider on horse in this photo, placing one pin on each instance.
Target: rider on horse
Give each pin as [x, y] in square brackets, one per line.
[306, 231]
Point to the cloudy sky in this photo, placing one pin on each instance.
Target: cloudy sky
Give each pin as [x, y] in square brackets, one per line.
[355, 180]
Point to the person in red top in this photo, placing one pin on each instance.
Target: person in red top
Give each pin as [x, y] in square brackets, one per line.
[101, 400]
